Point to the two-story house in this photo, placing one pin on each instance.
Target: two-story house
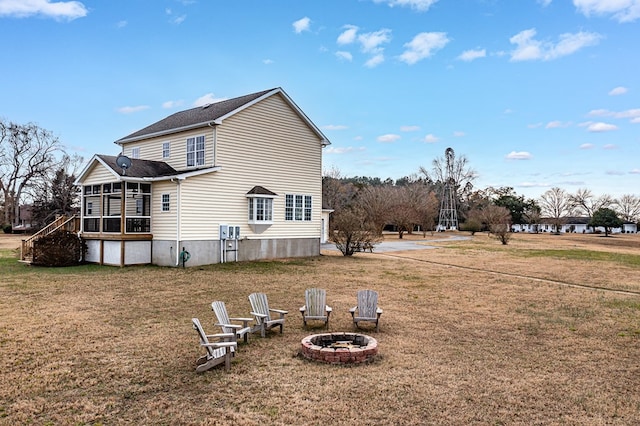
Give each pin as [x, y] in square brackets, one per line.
[239, 179]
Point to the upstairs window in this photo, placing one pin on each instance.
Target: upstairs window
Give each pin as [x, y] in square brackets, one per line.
[195, 151]
[166, 149]
[135, 152]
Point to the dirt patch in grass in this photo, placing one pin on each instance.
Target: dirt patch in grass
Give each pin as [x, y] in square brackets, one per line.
[462, 341]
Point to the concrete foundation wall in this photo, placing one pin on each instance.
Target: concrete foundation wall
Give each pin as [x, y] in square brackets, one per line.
[208, 252]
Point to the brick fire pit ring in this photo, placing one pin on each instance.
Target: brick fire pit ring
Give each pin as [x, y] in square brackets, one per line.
[339, 348]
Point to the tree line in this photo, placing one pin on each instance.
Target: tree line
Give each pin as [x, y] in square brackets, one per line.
[363, 206]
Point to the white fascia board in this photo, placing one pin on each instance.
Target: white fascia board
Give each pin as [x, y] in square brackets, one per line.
[179, 176]
[168, 132]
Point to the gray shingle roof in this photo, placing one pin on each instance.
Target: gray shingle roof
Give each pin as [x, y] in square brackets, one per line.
[261, 190]
[141, 168]
[194, 116]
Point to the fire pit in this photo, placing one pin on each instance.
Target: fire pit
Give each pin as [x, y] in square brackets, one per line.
[339, 348]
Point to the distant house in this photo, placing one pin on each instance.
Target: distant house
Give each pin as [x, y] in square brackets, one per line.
[572, 225]
[239, 179]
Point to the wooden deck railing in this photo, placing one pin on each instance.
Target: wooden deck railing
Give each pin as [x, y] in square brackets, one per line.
[71, 224]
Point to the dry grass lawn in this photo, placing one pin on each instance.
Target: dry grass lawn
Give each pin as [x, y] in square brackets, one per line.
[473, 332]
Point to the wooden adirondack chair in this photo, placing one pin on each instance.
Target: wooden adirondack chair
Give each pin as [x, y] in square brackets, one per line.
[262, 313]
[367, 309]
[218, 351]
[315, 307]
[241, 331]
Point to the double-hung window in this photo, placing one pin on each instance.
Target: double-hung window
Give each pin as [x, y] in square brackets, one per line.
[297, 207]
[166, 202]
[195, 151]
[166, 149]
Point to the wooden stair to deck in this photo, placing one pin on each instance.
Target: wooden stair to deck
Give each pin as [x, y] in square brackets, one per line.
[67, 223]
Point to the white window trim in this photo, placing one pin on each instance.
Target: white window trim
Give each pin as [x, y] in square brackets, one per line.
[196, 151]
[168, 150]
[254, 213]
[295, 209]
[162, 202]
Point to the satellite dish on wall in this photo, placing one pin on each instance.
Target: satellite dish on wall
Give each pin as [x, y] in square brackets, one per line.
[123, 162]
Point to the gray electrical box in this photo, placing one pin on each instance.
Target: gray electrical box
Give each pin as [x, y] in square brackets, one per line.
[224, 232]
[236, 232]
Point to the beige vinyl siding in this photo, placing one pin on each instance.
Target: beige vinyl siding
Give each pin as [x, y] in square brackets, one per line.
[163, 224]
[99, 175]
[152, 149]
[266, 144]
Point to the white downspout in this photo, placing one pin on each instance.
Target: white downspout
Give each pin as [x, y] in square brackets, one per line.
[178, 231]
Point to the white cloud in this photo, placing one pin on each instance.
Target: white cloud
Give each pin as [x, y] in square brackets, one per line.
[178, 19]
[470, 55]
[419, 5]
[534, 185]
[374, 61]
[61, 10]
[430, 138]
[635, 172]
[409, 128]
[371, 42]
[171, 104]
[388, 138]
[267, 61]
[622, 10]
[618, 91]
[121, 24]
[557, 124]
[345, 56]
[207, 99]
[335, 127]
[545, 3]
[615, 172]
[587, 146]
[459, 134]
[301, 25]
[342, 150]
[521, 155]
[601, 127]
[132, 109]
[530, 49]
[610, 146]
[348, 36]
[632, 114]
[423, 46]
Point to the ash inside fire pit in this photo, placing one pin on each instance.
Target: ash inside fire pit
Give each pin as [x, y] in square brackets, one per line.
[339, 348]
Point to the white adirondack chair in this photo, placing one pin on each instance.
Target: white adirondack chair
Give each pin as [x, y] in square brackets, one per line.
[218, 351]
[367, 309]
[262, 313]
[315, 307]
[241, 331]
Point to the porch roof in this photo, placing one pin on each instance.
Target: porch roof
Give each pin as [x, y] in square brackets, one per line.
[140, 168]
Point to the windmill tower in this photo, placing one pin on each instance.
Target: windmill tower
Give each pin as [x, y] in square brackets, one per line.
[448, 213]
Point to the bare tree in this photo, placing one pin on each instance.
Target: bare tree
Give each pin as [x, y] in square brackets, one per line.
[376, 203]
[351, 232]
[427, 211]
[404, 208]
[461, 175]
[27, 152]
[556, 205]
[628, 207]
[587, 204]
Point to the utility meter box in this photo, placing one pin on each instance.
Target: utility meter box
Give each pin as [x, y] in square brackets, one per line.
[224, 232]
[234, 232]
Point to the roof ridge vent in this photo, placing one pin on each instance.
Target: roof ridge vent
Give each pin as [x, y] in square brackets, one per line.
[205, 106]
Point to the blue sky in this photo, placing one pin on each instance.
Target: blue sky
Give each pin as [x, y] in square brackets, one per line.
[535, 93]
